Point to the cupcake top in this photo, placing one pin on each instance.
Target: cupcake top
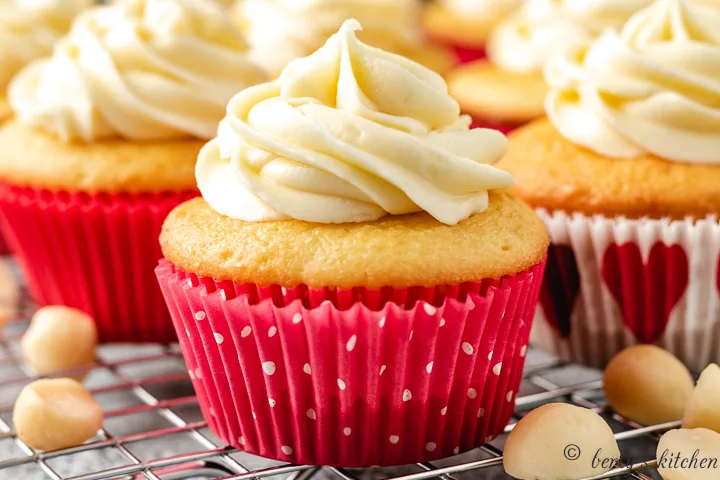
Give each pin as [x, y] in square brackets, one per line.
[140, 70]
[28, 30]
[652, 89]
[283, 30]
[349, 134]
[527, 39]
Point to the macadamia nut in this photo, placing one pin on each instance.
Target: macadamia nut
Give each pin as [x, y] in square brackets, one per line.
[560, 442]
[56, 413]
[703, 408]
[59, 338]
[647, 385]
[689, 455]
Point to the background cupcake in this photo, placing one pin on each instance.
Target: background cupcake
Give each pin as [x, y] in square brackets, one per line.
[28, 31]
[103, 146]
[508, 89]
[626, 174]
[466, 24]
[354, 288]
[283, 30]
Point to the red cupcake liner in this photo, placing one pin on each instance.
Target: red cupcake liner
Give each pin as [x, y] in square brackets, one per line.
[613, 282]
[4, 245]
[95, 253]
[505, 128]
[466, 54]
[354, 377]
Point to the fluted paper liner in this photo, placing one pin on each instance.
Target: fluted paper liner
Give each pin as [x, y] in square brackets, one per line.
[615, 282]
[354, 377]
[95, 253]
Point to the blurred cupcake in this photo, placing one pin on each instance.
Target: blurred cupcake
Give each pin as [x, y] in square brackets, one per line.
[354, 288]
[466, 24]
[280, 31]
[626, 175]
[103, 146]
[508, 89]
[28, 30]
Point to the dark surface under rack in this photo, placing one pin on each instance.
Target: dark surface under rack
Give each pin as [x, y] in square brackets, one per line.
[153, 427]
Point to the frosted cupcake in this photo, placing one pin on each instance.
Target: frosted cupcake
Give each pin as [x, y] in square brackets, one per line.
[626, 174]
[283, 30]
[103, 145]
[28, 30]
[354, 287]
[466, 24]
[508, 89]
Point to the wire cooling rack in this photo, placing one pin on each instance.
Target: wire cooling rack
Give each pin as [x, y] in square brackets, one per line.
[154, 430]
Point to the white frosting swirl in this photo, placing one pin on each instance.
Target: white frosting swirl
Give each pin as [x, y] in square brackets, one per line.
[655, 89]
[349, 134]
[28, 30]
[490, 10]
[526, 40]
[283, 30]
[139, 69]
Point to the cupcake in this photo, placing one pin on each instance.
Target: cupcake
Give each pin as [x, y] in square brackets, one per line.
[625, 172]
[508, 89]
[103, 146]
[28, 31]
[466, 24]
[280, 31]
[355, 287]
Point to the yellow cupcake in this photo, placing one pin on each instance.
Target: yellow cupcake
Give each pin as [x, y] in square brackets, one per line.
[348, 207]
[103, 145]
[283, 30]
[508, 88]
[625, 171]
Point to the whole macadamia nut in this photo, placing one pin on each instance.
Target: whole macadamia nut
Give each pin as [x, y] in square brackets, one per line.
[56, 413]
[647, 385]
[703, 408]
[689, 454]
[59, 338]
[560, 442]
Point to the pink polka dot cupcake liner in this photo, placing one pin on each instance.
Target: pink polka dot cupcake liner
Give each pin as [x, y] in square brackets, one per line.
[613, 282]
[95, 253]
[354, 377]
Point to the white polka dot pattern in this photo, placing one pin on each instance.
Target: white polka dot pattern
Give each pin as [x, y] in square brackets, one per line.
[394, 439]
[219, 338]
[350, 346]
[431, 446]
[200, 315]
[269, 368]
[245, 332]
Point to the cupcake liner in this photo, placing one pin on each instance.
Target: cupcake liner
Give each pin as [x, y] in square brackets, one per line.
[504, 128]
[95, 253]
[354, 377]
[468, 54]
[4, 245]
[613, 282]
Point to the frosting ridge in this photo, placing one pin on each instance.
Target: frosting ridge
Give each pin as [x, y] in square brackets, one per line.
[527, 39]
[653, 89]
[138, 69]
[349, 134]
[28, 30]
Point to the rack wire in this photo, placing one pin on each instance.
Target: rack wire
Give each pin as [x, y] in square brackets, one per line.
[154, 430]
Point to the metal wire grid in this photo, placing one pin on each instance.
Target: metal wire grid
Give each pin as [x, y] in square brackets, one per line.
[135, 375]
